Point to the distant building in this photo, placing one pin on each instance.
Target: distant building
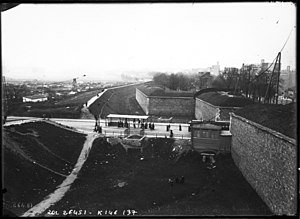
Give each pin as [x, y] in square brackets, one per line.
[216, 105]
[289, 78]
[35, 98]
[205, 80]
[215, 69]
[265, 65]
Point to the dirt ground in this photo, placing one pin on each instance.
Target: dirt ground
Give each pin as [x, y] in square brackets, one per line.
[113, 182]
[34, 156]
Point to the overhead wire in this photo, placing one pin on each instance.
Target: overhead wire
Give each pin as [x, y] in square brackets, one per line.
[260, 74]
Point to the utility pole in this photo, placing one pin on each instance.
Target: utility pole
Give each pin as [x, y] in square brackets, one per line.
[5, 101]
[278, 77]
[275, 65]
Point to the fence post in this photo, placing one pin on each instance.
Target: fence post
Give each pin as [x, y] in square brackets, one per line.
[113, 134]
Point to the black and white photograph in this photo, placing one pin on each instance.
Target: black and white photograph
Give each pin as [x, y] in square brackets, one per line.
[149, 109]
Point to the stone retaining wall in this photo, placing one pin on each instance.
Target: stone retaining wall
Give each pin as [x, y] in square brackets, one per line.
[267, 159]
[143, 100]
[166, 106]
[207, 111]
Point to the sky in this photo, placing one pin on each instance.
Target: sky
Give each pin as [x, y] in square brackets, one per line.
[63, 41]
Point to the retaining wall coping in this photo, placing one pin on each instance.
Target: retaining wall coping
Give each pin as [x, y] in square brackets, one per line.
[164, 97]
[142, 92]
[273, 132]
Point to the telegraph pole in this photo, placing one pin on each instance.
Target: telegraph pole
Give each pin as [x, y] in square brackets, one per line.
[278, 77]
[274, 69]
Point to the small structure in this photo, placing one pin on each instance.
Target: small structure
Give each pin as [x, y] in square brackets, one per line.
[133, 142]
[35, 98]
[210, 136]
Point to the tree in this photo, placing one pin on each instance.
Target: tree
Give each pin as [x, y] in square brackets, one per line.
[174, 82]
[227, 79]
[161, 79]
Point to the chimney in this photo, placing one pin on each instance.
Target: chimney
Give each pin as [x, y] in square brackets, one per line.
[288, 68]
[262, 61]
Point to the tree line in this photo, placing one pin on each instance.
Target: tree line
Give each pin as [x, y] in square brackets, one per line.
[178, 81]
[250, 81]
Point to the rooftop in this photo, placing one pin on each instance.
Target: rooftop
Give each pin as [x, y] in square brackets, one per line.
[159, 91]
[37, 96]
[281, 118]
[224, 99]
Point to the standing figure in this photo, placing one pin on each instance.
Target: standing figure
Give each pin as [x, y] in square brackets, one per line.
[182, 180]
[171, 133]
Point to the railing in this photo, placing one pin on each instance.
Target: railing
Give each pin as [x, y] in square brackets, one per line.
[123, 134]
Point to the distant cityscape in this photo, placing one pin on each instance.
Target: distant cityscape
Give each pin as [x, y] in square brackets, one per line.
[37, 90]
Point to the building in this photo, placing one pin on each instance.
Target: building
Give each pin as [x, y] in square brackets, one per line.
[205, 80]
[215, 69]
[159, 102]
[216, 105]
[264, 148]
[289, 78]
[265, 65]
[35, 98]
[210, 136]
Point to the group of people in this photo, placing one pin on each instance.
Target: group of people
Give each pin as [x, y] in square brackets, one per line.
[136, 124]
[147, 125]
[177, 180]
[122, 124]
[98, 129]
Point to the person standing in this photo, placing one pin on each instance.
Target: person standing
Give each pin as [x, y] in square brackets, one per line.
[171, 134]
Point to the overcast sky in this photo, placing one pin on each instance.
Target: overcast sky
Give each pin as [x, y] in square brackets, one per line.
[62, 41]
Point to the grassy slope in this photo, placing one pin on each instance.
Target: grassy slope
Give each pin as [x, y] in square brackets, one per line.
[281, 118]
[79, 99]
[219, 191]
[67, 108]
[26, 182]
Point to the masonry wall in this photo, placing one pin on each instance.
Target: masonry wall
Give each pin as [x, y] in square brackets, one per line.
[224, 113]
[166, 106]
[207, 111]
[172, 106]
[267, 160]
[204, 110]
[143, 100]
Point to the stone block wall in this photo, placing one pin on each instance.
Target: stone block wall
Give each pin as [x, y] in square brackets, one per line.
[224, 112]
[204, 111]
[171, 106]
[166, 106]
[207, 111]
[143, 100]
[267, 159]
